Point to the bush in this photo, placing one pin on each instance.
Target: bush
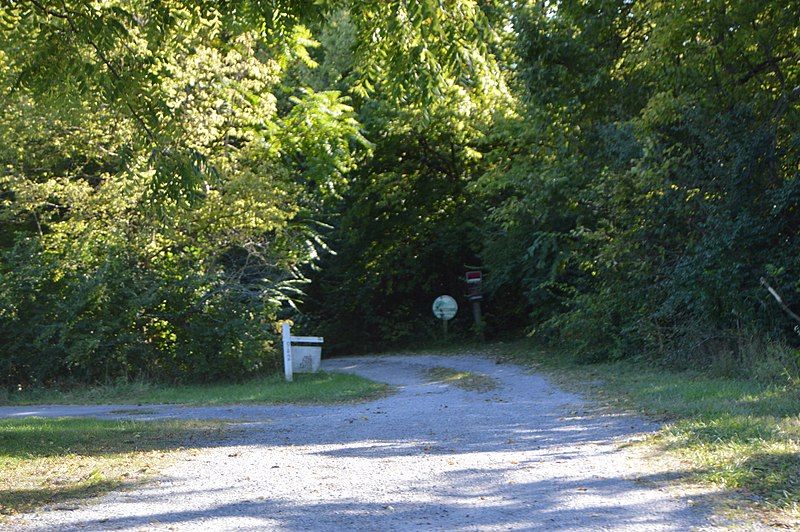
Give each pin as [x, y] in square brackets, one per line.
[119, 320]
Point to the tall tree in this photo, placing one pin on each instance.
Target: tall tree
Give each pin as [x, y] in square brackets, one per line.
[651, 179]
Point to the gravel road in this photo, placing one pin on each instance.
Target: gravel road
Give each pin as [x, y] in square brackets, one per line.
[525, 456]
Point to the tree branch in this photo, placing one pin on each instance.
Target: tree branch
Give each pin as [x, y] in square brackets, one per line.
[777, 297]
[100, 54]
[771, 63]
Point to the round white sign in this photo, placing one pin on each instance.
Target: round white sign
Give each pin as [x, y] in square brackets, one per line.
[445, 307]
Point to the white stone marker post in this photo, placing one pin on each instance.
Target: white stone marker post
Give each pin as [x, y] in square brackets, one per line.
[287, 351]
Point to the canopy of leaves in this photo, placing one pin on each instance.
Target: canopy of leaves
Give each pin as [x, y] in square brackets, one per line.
[175, 174]
[168, 167]
[651, 178]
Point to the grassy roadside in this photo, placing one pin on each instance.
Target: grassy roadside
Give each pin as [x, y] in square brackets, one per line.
[57, 460]
[735, 434]
[316, 388]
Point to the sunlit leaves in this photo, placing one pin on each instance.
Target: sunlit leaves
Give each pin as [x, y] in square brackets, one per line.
[322, 137]
[157, 202]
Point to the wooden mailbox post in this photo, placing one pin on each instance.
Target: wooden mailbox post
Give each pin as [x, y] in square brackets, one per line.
[288, 340]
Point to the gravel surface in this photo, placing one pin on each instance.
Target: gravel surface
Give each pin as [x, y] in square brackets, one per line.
[525, 456]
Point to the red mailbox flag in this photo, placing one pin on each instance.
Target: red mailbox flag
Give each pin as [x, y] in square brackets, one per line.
[474, 277]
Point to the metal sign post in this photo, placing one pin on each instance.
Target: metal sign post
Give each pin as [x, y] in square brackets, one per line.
[475, 294]
[445, 308]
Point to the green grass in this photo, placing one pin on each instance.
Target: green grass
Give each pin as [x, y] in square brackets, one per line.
[735, 434]
[316, 388]
[466, 380]
[57, 460]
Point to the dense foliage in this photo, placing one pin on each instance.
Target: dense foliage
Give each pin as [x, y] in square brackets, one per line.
[167, 167]
[157, 240]
[175, 173]
[652, 179]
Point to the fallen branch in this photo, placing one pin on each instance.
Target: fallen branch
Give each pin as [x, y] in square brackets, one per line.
[778, 298]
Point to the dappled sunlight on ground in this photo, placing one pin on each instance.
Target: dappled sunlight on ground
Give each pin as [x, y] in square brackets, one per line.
[523, 456]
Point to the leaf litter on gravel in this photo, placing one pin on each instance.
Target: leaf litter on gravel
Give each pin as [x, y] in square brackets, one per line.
[466, 380]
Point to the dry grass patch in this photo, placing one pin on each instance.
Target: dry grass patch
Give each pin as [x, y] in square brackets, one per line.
[466, 380]
[45, 461]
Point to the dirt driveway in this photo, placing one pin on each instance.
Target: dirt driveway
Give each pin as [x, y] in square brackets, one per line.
[524, 456]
